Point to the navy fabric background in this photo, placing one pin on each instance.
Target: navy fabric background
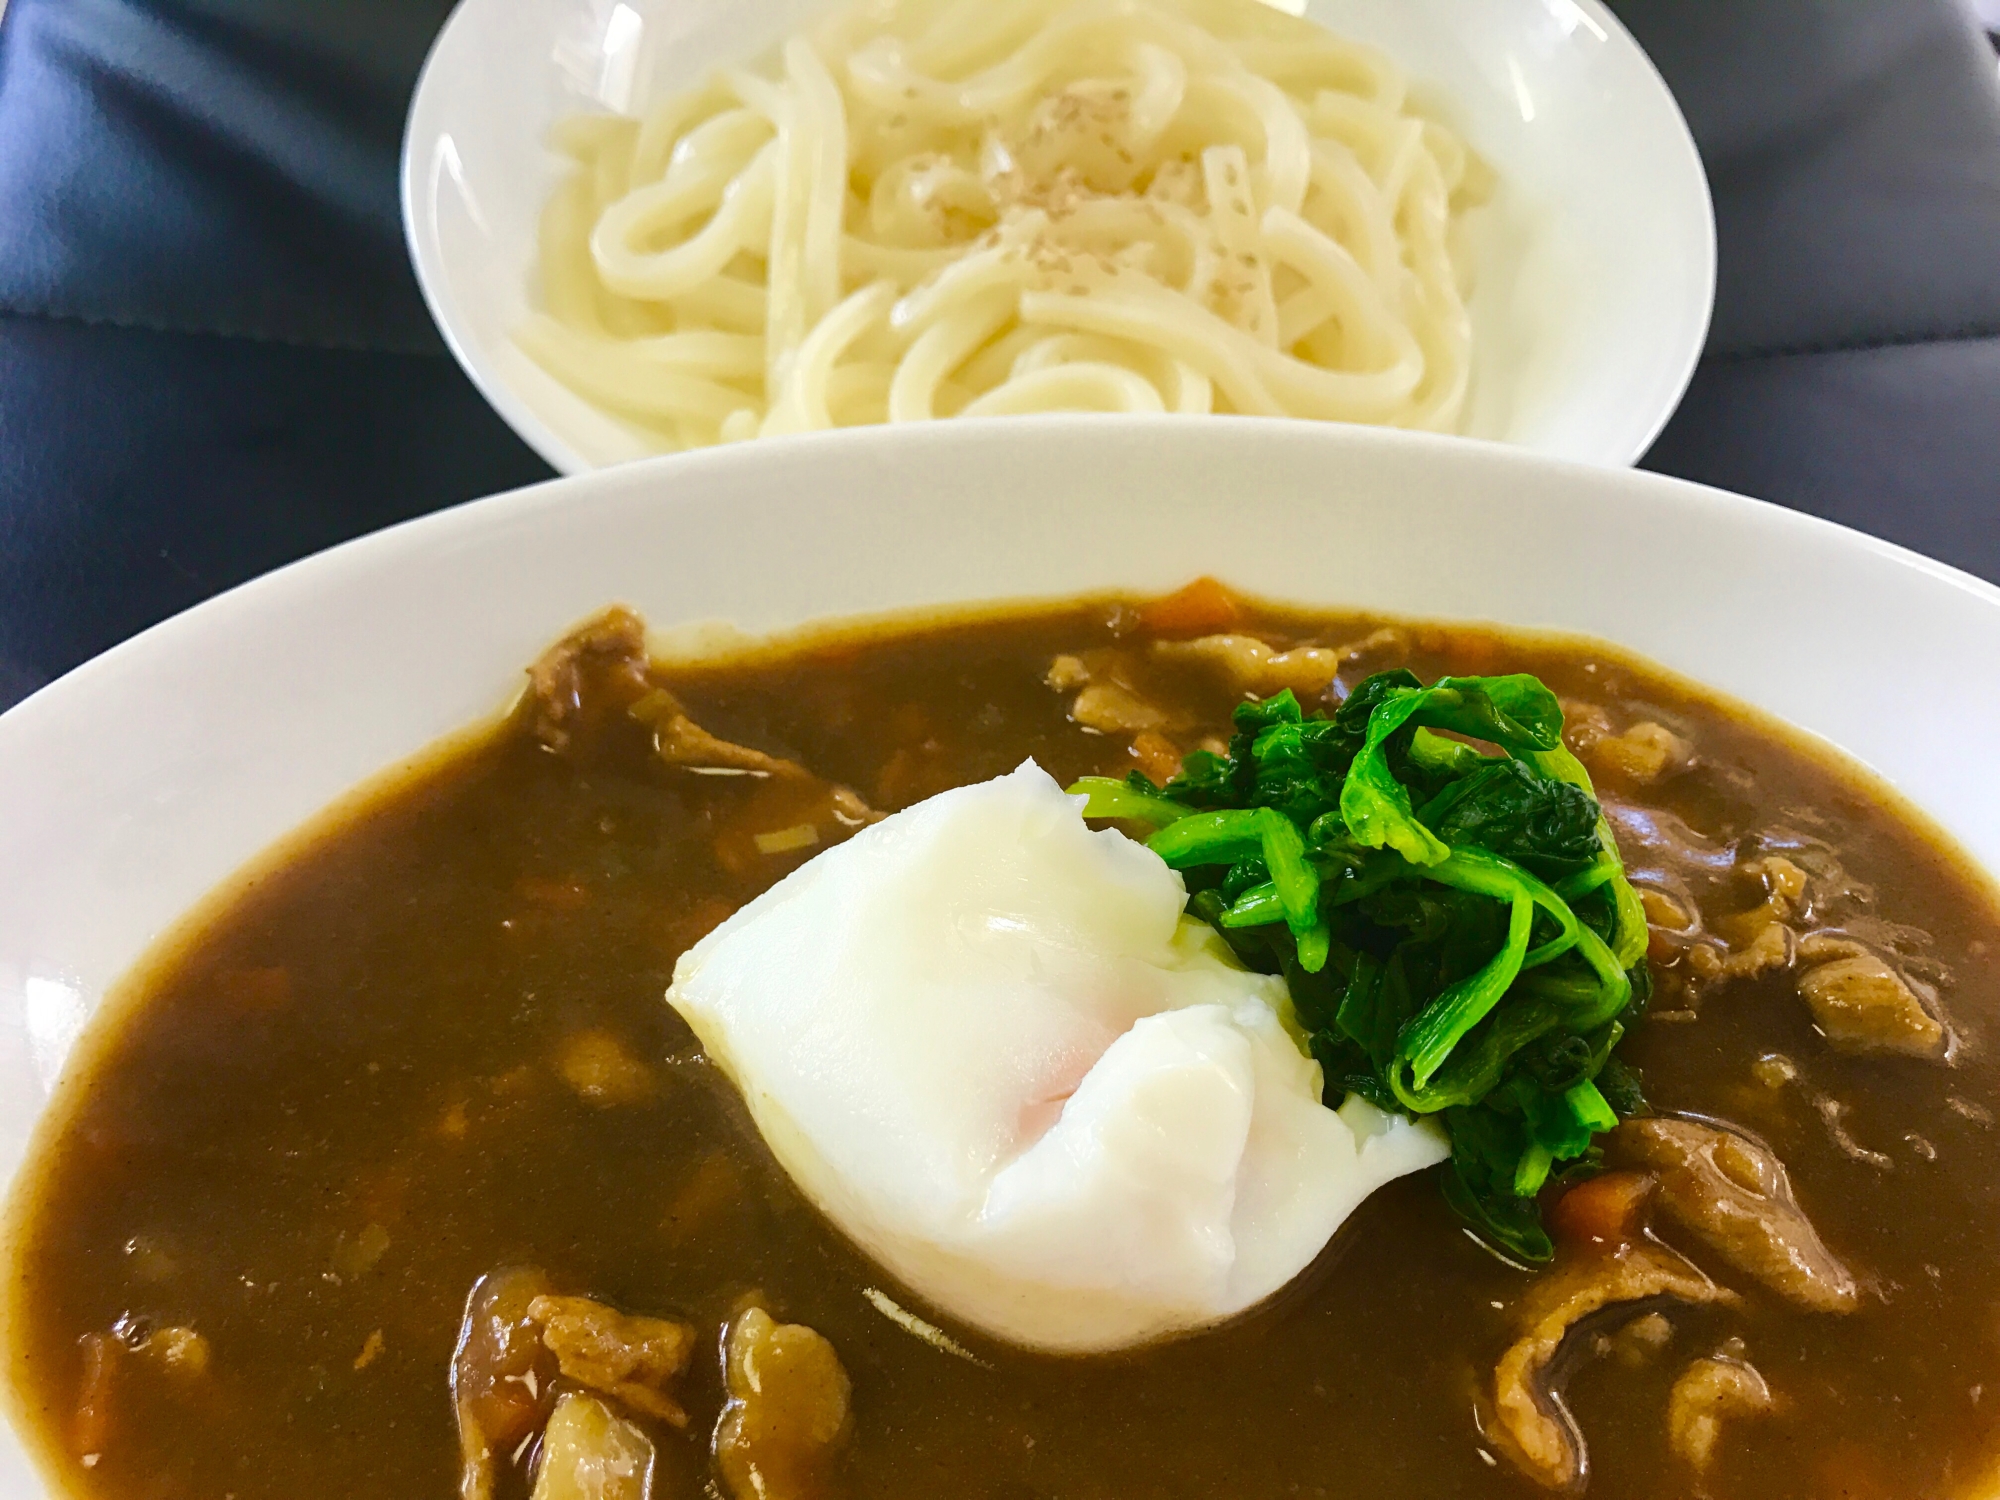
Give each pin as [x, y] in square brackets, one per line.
[213, 357]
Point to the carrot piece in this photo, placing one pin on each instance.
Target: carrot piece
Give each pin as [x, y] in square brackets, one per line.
[1472, 653]
[1203, 606]
[1603, 1210]
[1158, 756]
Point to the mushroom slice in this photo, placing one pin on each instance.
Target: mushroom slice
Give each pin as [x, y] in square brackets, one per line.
[1531, 1425]
[1731, 1190]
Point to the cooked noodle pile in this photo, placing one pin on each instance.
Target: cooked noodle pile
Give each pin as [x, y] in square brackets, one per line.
[994, 206]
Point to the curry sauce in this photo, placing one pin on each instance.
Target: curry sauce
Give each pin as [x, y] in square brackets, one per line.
[431, 1044]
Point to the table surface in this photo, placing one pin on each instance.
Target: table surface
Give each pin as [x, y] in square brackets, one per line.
[213, 357]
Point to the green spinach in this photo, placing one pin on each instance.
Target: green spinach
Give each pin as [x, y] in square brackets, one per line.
[1454, 924]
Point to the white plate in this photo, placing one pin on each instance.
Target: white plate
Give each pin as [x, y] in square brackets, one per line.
[1597, 269]
[134, 785]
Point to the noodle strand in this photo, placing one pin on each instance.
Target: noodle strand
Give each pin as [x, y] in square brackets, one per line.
[988, 207]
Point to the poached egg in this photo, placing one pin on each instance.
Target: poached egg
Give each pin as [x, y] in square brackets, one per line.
[988, 1043]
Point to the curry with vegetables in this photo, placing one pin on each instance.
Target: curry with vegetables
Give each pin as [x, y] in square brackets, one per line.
[397, 1176]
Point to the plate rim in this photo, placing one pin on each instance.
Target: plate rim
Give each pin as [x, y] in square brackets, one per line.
[426, 256]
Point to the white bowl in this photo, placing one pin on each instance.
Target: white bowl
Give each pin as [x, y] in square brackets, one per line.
[1597, 264]
[133, 786]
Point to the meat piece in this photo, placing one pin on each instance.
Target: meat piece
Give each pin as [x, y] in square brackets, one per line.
[1109, 700]
[174, 1350]
[1863, 1005]
[1784, 893]
[787, 1412]
[1584, 724]
[1644, 754]
[1665, 911]
[1111, 709]
[1067, 673]
[500, 1375]
[1253, 667]
[1531, 1425]
[1706, 1392]
[602, 666]
[1784, 883]
[787, 796]
[1385, 646]
[1824, 947]
[1772, 948]
[1640, 1341]
[590, 1453]
[1758, 939]
[1673, 922]
[1733, 1192]
[612, 644]
[682, 742]
[629, 1358]
[606, 658]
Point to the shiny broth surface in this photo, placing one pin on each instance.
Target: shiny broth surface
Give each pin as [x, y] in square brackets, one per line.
[432, 1042]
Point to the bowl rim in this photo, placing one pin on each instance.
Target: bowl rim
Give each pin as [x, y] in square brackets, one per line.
[427, 261]
[343, 571]
[686, 468]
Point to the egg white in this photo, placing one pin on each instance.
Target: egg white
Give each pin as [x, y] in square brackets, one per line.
[987, 1043]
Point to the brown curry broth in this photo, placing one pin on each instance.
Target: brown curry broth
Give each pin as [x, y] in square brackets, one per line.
[440, 944]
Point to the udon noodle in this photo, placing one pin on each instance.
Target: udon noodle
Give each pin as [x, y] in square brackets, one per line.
[997, 206]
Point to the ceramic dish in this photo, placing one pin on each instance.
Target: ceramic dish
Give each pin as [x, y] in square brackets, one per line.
[130, 788]
[1596, 261]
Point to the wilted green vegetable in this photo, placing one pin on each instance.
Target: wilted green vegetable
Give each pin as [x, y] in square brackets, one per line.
[1456, 927]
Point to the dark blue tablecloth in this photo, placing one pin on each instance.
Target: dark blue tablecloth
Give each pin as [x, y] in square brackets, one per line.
[213, 358]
